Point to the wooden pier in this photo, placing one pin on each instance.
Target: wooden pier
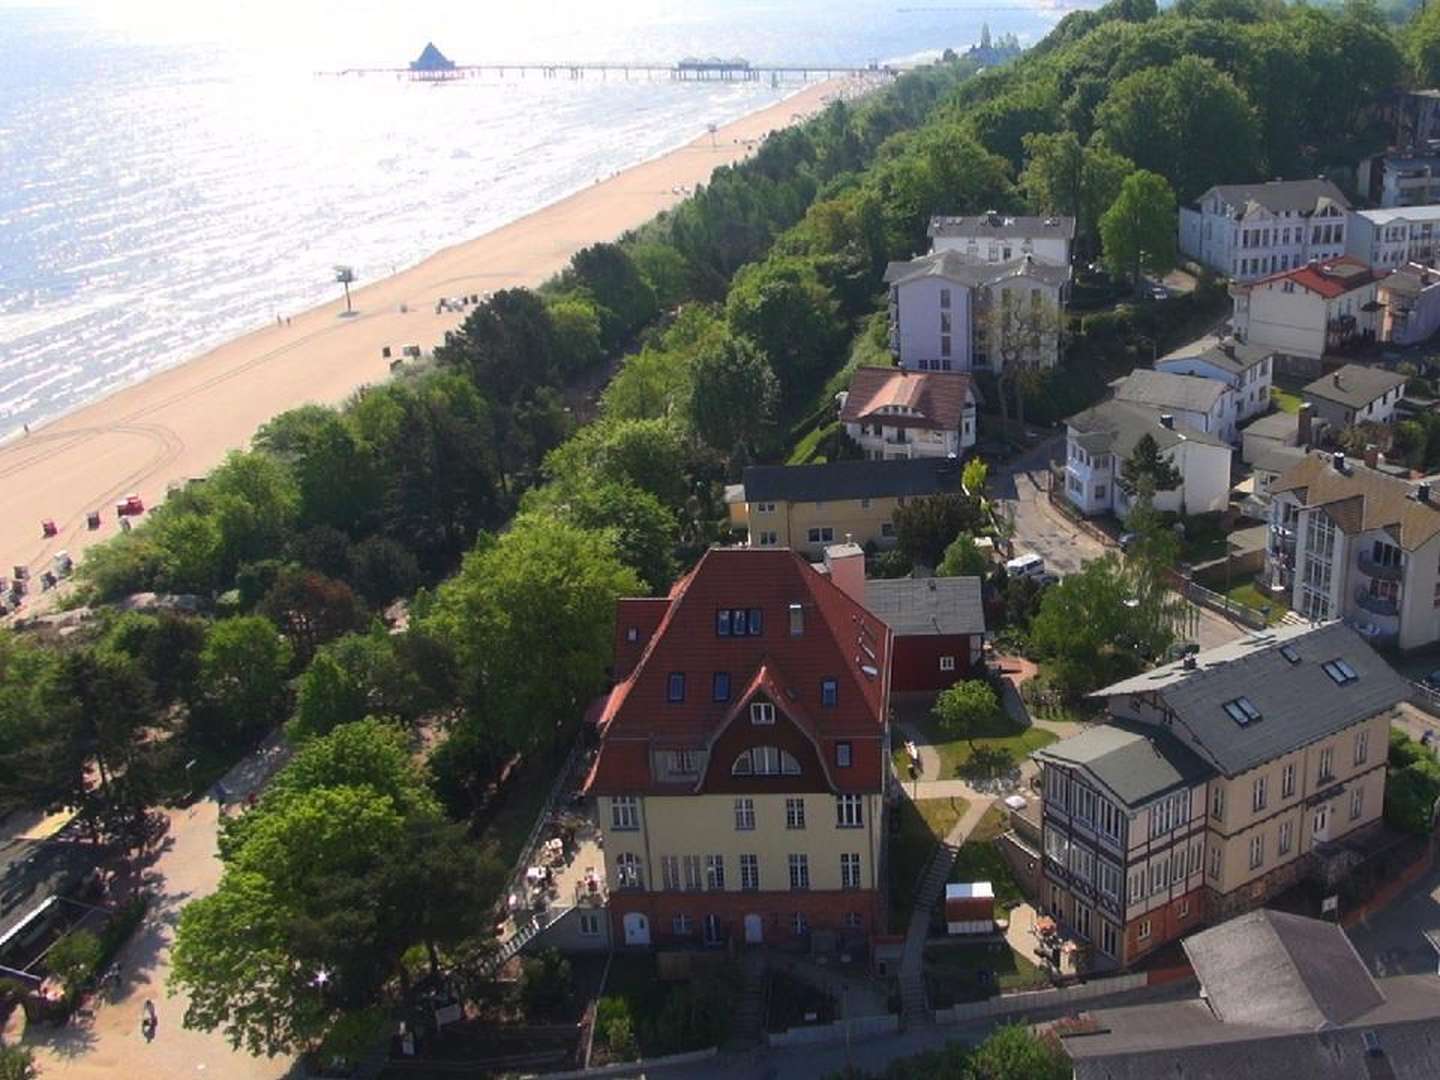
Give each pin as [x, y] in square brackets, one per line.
[681, 71]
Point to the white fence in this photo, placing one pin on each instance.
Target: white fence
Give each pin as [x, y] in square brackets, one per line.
[860, 1027]
[1039, 999]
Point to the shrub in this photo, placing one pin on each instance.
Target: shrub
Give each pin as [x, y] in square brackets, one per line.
[1413, 786]
[74, 959]
[620, 1037]
[545, 982]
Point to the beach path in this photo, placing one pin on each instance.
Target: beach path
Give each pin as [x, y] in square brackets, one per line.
[181, 423]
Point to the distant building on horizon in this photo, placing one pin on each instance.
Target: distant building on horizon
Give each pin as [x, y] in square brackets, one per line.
[432, 60]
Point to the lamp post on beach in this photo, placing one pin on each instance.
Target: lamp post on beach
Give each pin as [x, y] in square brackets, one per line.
[345, 275]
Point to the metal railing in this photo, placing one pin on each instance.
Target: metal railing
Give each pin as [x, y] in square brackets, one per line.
[1376, 605]
[1371, 568]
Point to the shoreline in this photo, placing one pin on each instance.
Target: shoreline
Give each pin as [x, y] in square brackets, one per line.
[180, 421]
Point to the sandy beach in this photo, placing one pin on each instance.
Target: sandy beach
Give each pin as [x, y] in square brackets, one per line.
[181, 422]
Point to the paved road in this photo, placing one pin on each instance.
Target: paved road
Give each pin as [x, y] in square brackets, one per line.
[1392, 941]
[108, 1045]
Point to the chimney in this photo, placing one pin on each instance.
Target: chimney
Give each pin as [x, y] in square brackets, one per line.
[1305, 419]
[1167, 420]
[846, 563]
[1227, 346]
[993, 217]
[1372, 455]
[1336, 380]
[1339, 460]
[1422, 491]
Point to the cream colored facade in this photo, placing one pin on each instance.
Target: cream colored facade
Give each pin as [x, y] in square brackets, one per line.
[812, 526]
[1245, 839]
[704, 827]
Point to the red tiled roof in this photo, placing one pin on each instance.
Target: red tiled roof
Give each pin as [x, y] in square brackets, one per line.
[1331, 278]
[937, 398]
[840, 638]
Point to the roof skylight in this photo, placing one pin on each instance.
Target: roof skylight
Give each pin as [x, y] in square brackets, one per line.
[1341, 672]
[1242, 711]
[1288, 651]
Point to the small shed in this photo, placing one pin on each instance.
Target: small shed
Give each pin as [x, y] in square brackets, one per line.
[969, 907]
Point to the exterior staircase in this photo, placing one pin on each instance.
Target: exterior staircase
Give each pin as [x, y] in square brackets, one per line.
[914, 1006]
[747, 1026]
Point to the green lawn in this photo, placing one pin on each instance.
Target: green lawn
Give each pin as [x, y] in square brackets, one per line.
[980, 859]
[1251, 596]
[1285, 400]
[963, 973]
[810, 449]
[994, 749]
[922, 825]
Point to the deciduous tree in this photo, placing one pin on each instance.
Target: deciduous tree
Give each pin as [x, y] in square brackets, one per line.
[967, 709]
[1138, 230]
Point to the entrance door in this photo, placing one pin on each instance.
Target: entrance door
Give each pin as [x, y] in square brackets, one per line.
[1322, 823]
[754, 930]
[637, 929]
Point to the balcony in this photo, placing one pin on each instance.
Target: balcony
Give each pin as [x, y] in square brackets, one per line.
[1371, 568]
[1376, 605]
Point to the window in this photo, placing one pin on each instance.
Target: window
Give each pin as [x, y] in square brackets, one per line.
[682, 762]
[1287, 781]
[945, 322]
[1193, 862]
[794, 813]
[799, 871]
[1215, 862]
[1362, 746]
[1257, 852]
[720, 686]
[1283, 841]
[1217, 804]
[1137, 885]
[1184, 910]
[675, 687]
[750, 873]
[1082, 864]
[762, 713]
[692, 873]
[945, 345]
[1357, 803]
[711, 932]
[669, 873]
[829, 693]
[625, 812]
[944, 298]
[744, 814]
[715, 872]
[850, 871]
[797, 620]
[1327, 764]
[627, 867]
[1338, 670]
[947, 663]
[823, 535]
[632, 633]
[853, 921]
[590, 924]
[799, 925]
[1242, 711]
[1110, 819]
[769, 538]
[682, 925]
[722, 622]
[765, 761]
[843, 755]
[848, 812]
[765, 507]
[887, 530]
[1257, 795]
[1109, 879]
[1108, 943]
[1159, 875]
[1142, 932]
[756, 622]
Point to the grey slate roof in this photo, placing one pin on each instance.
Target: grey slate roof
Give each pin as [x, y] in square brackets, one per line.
[1001, 226]
[1138, 763]
[1277, 196]
[1354, 385]
[1273, 969]
[1277, 459]
[1277, 425]
[1233, 356]
[955, 266]
[916, 606]
[850, 480]
[1166, 390]
[1298, 703]
[1114, 427]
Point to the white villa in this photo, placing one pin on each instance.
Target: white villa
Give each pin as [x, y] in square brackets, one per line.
[892, 413]
[1206, 405]
[1246, 231]
[1392, 238]
[1311, 310]
[1246, 369]
[995, 238]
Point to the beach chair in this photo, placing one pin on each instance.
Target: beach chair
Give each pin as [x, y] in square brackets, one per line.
[92, 520]
[48, 529]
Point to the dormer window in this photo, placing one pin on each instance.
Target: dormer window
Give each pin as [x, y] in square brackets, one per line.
[720, 686]
[762, 713]
[738, 622]
[829, 692]
[675, 687]
[632, 633]
[765, 761]
[797, 620]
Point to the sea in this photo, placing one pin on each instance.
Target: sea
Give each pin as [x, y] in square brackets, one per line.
[174, 173]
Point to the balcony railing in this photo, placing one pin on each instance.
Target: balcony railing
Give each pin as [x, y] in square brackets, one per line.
[1376, 605]
[1373, 569]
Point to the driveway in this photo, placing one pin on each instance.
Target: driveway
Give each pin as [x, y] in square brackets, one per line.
[1039, 527]
[1393, 941]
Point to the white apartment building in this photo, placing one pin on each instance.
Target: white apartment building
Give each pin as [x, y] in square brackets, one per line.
[1247, 231]
[1350, 542]
[1401, 179]
[1311, 310]
[1410, 297]
[1098, 441]
[939, 305]
[892, 413]
[1387, 239]
[1205, 405]
[997, 238]
[1246, 369]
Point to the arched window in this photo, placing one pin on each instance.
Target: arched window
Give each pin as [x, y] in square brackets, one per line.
[627, 866]
[765, 761]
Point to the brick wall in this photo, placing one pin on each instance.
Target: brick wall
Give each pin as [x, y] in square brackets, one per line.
[1176, 919]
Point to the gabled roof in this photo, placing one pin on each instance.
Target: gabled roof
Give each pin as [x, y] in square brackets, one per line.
[1273, 969]
[1277, 459]
[1296, 702]
[1278, 196]
[918, 606]
[1001, 226]
[1401, 214]
[1354, 385]
[1114, 427]
[966, 270]
[1136, 762]
[851, 480]
[1330, 279]
[1228, 355]
[432, 59]
[1276, 425]
[839, 640]
[1166, 390]
[1361, 499]
[934, 400]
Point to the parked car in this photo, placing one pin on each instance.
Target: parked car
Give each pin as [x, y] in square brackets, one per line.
[1031, 565]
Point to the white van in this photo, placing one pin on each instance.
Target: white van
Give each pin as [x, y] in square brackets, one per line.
[1031, 565]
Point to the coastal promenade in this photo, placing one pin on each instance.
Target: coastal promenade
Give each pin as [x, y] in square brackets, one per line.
[181, 423]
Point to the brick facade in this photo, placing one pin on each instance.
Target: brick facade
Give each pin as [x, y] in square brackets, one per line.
[823, 910]
[1168, 923]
